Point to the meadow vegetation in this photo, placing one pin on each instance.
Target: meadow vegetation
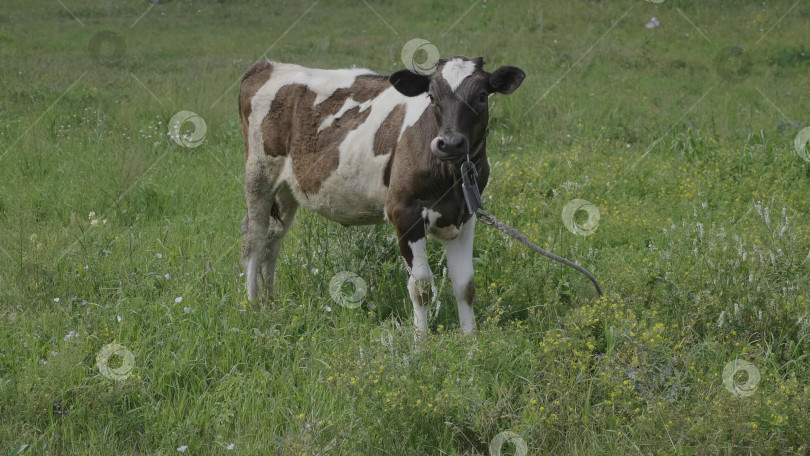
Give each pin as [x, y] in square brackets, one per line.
[681, 134]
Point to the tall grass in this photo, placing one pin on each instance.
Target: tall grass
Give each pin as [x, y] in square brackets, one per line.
[112, 233]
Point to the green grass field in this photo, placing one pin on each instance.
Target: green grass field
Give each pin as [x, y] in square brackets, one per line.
[681, 136]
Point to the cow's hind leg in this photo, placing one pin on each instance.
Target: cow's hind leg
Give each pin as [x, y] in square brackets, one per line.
[261, 188]
[282, 214]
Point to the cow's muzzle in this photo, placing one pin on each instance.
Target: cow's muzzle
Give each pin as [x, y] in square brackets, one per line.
[449, 147]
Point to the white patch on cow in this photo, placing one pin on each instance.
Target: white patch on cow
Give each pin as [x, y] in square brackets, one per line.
[327, 122]
[420, 268]
[325, 82]
[460, 268]
[419, 284]
[414, 108]
[444, 233]
[431, 215]
[455, 71]
[347, 105]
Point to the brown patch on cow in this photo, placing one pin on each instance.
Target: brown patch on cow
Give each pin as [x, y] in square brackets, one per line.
[387, 135]
[280, 121]
[277, 124]
[332, 105]
[253, 79]
[419, 177]
[364, 88]
[407, 220]
[291, 124]
[313, 165]
[291, 128]
[368, 86]
[387, 172]
[469, 292]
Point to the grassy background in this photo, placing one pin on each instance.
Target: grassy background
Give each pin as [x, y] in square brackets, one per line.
[702, 244]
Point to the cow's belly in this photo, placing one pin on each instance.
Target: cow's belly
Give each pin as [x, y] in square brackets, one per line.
[353, 194]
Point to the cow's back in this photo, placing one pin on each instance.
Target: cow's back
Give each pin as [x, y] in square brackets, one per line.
[329, 134]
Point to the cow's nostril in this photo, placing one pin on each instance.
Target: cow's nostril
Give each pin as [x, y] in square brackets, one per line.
[454, 142]
[449, 144]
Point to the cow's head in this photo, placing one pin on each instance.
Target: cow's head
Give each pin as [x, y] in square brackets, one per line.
[459, 90]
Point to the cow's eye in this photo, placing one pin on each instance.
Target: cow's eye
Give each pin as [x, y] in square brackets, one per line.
[432, 100]
[483, 97]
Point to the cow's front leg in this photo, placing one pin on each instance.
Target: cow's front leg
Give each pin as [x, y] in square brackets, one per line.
[410, 228]
[460, 267]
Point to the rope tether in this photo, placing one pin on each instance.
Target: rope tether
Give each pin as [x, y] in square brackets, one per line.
[473, 198]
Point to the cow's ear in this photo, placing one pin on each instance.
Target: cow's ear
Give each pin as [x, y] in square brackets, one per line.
[505, 79]
[409, 83]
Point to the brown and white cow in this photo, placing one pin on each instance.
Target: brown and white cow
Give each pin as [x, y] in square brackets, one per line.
[361, 148]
